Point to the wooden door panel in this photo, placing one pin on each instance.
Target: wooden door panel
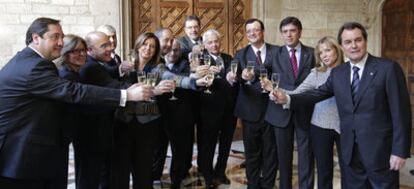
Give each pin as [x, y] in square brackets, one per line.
[398, 40]
[226, 16]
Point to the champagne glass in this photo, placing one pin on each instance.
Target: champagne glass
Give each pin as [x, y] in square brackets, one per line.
[195, 61]
[250, 69]
[207, 59]
[220, 65]
[173, 90]
[152, 81]
[233, 66]
[131, 59]
[275, 80]
[209, 78]
[141, 78]
[263, 76]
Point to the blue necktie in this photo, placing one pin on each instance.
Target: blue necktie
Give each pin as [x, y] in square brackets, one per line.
[355, 82]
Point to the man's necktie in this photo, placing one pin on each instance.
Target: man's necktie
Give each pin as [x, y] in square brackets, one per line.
[259, 57]
[294, 62]
[355, 82]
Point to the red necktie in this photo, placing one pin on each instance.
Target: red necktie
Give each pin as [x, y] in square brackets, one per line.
[294, 62]
[259, 58]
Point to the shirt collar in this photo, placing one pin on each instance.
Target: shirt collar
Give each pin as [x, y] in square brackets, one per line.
[298, 48]
[36, 51]
[361, 63]
[262, 49]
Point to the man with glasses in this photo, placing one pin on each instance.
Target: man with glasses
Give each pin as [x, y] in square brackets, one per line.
[192, 34]
[258, 136]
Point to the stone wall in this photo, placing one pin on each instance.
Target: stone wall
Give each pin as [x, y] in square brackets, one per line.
[319, 18]
[77, 17]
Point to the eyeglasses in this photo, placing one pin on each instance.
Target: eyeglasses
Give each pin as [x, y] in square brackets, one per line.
[253, 30]
[78, 51]
[106, 45]
[54, 37]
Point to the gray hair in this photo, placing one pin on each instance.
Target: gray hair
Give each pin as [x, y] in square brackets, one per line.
[70, 42]
[209, 33]
[106, 28]
[160, 32]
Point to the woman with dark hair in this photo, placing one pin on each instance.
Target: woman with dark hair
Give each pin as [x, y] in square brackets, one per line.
[73, 56]
[137, 124]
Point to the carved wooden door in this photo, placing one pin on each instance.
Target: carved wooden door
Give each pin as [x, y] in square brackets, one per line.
[398, 40]
[226, 16]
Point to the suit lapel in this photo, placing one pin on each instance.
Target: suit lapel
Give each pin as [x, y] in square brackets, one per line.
[367, 76]
[305, 55]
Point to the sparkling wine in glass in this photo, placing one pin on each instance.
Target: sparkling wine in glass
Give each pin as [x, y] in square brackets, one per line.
[220, 65]
[263, 76]
[207, 59]
[173, 90]
[250, 69]
[233, 66]
[209, 78]
[275, 80]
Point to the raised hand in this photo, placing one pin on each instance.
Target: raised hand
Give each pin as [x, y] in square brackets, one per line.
[139, 92]
[165, 86]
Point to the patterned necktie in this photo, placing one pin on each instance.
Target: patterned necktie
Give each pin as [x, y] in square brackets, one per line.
[294, 62]
[355, 82]
[259, 57]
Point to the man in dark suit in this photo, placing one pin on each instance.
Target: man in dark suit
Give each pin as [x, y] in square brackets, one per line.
[192, 34]
[294, 62]
[217, 119]
[94, 142]
[178, 120]
[166, 37]
[258, 136]
[31, 142]
[374, 110]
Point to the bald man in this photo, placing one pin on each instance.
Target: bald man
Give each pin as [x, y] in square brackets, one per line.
[93, 144]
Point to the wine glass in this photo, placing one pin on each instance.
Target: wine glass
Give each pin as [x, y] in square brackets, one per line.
[250, 69]
[275, 78]
[263, 76]
[173, 90]
[141, 78]
[209, 78]
[207, 59]
[233, 66]
[220, 65]
[152, 81]
[131, 59]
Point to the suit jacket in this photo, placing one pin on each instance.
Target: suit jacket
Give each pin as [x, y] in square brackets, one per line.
[251, 103]
[275, 114]
[222, 100]
[186, 45]
[31, 93]
[379, 121]
[178, 113]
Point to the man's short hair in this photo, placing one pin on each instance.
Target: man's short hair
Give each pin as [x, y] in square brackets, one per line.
[251, 20]
[160, 32]
[351, 26]
[291, 20]
[191, 18]
[39, 26]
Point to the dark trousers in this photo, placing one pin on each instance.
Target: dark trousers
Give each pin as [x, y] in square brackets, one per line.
[133, 153]
[323, 141]
[284, 141]
[260, 153]
[212, 130]
[10, 183]
[93, 146]
[179, 133]
[359, 177]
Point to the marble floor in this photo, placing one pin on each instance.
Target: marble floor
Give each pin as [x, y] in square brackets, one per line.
[236, 173]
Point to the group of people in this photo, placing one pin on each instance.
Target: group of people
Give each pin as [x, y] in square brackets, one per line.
[121, 115]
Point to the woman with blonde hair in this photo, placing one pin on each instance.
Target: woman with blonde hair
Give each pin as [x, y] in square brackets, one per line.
[324, 129]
